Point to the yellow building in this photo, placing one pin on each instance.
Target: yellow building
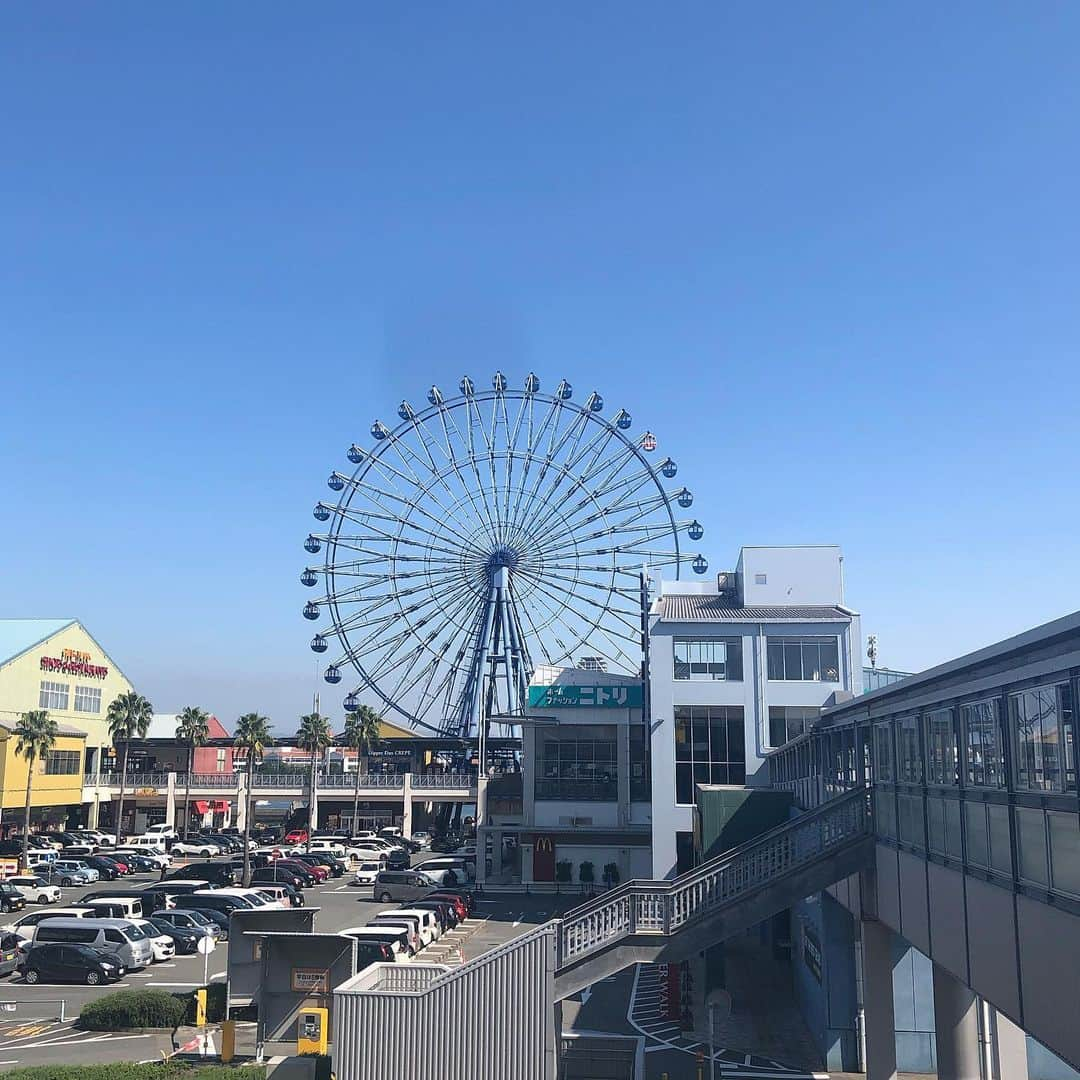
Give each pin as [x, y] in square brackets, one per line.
[54, 664]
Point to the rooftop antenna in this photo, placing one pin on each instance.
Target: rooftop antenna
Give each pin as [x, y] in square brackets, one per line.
[871, 650]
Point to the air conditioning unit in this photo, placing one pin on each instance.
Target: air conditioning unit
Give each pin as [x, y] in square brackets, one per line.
[577, 822]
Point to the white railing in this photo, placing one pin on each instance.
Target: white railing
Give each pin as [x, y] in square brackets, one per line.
[664, 907]
[205, 780]
[133, 780]
[443, 780]
[367, 780]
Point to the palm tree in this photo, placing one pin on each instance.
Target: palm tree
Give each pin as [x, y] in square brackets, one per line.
[360, 733]
[313, 735]
[36, 733]
[252, 736]
[128, 718]
[193, 728]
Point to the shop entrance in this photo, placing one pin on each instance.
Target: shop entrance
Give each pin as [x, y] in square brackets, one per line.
[544, 859]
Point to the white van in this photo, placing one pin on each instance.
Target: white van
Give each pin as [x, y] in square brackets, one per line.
[162, 832]
[396, 937]
[26, 924]
[116, 907]
[430, 930]
[331, 847]
[119, 936]
[147, 844]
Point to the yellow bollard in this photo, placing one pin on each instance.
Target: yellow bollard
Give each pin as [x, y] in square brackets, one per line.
[228, 1041]
[200, 1008]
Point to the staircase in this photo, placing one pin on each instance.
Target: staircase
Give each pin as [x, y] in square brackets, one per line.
[664, 921]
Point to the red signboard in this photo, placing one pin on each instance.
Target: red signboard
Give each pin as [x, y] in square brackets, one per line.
[73, 662]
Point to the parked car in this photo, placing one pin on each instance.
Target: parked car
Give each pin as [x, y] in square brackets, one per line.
[162, 832]
[115, 907]
[106, 868]
[219, 918]
[209, 900]
[397, 938]
[322, 873]
[160, 941]
[422, 839]
[196, 921]
[462, 869]
[36, 889]
[70, 962]
[391, 885]
[24, 926]
[411, 926]
[121, 936]
[9, 952]
[427, 925]
[367, 872]
[70, 872]
[202, 849]
[148, 864]
[273, 875]
[296, 836]
[285, 894]
[445, 912]
[11, 899]
[216, 873]
[303, 871]
[463, 900]
[185, 939]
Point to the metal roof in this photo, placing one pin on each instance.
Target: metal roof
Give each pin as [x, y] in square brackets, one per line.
[20, 635]
[717, 609]
[61, 728]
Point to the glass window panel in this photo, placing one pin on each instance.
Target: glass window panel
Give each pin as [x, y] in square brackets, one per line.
[775, 652]
[941, 762]
[682, 738]
[718, 740]
[1000, 844]
[1065, 851]
[909, 759]
[830, 661]
[982, 733]
[978, 852]
[953, 844]
[701, 772]
[736, 773]
[1031, 840]
[792, 660]
[1048, 726]
[733, 656]
[883, 753]
[935, 824]
[684, 785]
[811, 660]
[1068, 726]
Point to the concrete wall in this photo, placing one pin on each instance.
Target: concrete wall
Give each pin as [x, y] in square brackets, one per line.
[794, 575]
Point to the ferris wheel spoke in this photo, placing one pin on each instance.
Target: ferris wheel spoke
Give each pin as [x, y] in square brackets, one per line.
[594, 617]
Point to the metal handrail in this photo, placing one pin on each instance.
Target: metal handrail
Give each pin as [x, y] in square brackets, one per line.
[132, 780]
[663, 907]
[443, 780]
[214, 780]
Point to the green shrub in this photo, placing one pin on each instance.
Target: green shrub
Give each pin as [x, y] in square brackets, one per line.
[172, 1070]
[563, 869]
[611, 874]
[132, 1009]
[585, 873]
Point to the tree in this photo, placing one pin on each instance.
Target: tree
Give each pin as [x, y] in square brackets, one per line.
[314, 734]
[192, 728]
[360, 733]
[36, 735]
[251, 737]
[128, 718]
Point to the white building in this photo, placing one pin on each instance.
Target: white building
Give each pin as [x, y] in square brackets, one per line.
[738, 666]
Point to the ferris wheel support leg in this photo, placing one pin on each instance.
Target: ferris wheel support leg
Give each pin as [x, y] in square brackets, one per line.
[481, 829]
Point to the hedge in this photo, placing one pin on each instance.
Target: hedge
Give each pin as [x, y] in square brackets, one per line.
[216, 996]
[172, 1070]
[133, 1009]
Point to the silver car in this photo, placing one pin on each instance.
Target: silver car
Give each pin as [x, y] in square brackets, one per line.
[67, 872]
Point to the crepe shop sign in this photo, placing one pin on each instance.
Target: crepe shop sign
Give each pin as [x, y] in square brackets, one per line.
[73, 662]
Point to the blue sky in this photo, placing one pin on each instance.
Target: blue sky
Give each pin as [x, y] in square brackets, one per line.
[829, 254]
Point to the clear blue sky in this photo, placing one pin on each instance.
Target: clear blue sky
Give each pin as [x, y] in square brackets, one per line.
[828, 253]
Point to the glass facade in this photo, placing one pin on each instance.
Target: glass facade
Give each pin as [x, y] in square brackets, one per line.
[788, 722]
[710, 659]
[710, 748]
[578, 764]
[807, 659]
[983, 744]
[62, 762]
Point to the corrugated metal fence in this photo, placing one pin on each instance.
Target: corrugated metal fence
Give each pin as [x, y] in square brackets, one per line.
[493, 1018]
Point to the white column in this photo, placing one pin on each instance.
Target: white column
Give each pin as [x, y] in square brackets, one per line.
[95, 812]
[879, 1023]
[406, 808]
[170, 800]
[313, 813]
[956, 1028]
[1010, 1048]
[241, 801]
[481, 829]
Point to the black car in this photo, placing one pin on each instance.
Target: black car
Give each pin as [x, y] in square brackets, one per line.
[301, 870]
[9, 953]
[185, 939]
[106, 868]
[10, 898]
[221, 875]
[141, 864]
[70, 963]
[271, 875]
[225, 904]
[192, 920]
[336, 866]
[447, 842]
[219, 918]
[10, 848]
[229, 844]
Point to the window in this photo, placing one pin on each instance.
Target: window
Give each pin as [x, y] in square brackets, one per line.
[717, 659]
[62, 762]
[709, 748]
[640, 785]
[1035, 719]
[908, 759]
[941, 750]
[578, 766]
[53, 695]
[87, 699]
[985, 764]
[761, 579]
[815, 659]
[221, 761]
[883, 754]
[787, 722]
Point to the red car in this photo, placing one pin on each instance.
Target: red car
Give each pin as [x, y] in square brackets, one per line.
[320, 872]
[297, 836]
[451, 898]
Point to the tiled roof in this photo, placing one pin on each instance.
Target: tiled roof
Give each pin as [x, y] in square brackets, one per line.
[716, 609]
[19, 635]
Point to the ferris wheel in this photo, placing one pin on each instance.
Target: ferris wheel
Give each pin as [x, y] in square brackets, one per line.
[482, 535]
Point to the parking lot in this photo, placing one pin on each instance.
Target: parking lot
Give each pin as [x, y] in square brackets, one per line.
[32, 1033]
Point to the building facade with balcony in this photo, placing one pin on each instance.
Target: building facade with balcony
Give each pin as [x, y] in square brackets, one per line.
[737, 667]
[56, 665]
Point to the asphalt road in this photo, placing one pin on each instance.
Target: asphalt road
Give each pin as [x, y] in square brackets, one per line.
[31, 1032]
